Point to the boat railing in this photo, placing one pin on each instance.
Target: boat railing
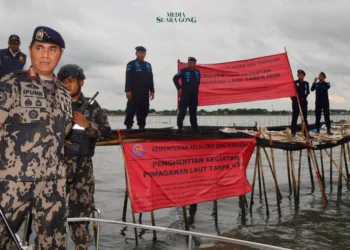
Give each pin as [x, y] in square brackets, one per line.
[190, 234]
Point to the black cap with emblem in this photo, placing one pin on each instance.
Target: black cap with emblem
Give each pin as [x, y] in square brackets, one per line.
[44, 34]
[14, 39]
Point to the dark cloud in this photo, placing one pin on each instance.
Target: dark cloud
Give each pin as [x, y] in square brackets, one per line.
[101, 37]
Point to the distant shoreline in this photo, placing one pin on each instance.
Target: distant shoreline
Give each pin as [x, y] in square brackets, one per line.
[309, 114]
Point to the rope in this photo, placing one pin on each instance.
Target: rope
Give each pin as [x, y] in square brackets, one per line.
[315, 74]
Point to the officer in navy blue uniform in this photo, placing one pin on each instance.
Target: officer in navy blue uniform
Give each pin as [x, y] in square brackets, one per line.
[12, 58]
[303, 91]
[322, 102]
[188, 92]
[139, 89]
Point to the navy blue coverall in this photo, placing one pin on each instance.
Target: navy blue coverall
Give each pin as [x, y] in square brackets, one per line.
[190, 80]
[322, 103]
[139, 81]
[303, 91]
[10, 63]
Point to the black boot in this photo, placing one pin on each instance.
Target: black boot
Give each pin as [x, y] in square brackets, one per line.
[128, 127]
[329, 132]
[318, 131]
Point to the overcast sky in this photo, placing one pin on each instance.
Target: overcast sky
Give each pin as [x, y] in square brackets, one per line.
[101, 37]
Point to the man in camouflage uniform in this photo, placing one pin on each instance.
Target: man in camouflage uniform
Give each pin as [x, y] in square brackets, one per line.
[35, 113]
[90, 124]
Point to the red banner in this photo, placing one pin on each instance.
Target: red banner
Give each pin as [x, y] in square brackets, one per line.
[255, 79]
[179, 173]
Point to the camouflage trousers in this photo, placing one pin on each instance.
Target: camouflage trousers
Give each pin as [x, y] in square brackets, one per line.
[80, 189]
[45, 200]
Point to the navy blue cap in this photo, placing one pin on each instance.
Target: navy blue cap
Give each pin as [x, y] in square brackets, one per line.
[141, 48]
[324, 75]
[14, 37]
[44, 34]
[192, 59]
[301, 71]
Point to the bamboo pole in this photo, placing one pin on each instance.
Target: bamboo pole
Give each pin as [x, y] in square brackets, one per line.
[317, 170]
[242, 206]
[345, 161]
[291, 154]
[140, 218]
[185, 218]
[128, 185]
[348, 147]
[254, 178]
[288, 169]
[259, 179]
[216, 213]
[331, 170]
[315, 159]
[340, 183]
[278, 193]
[153, 224]
[263, 181]
[274, 166]
[322, 169]
[117, 142]
[125, 207]
[338, 167]
[311, 176]
[299, 173]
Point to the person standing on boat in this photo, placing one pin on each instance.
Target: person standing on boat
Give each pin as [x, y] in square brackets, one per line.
[12, 58]
[139, 89]
[90, 125]
[322, 102]
[303, 91]
[188, 92]
[35, 114]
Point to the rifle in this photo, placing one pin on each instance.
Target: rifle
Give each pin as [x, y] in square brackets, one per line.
[13, 236]
[75, 146]
[85, 105]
